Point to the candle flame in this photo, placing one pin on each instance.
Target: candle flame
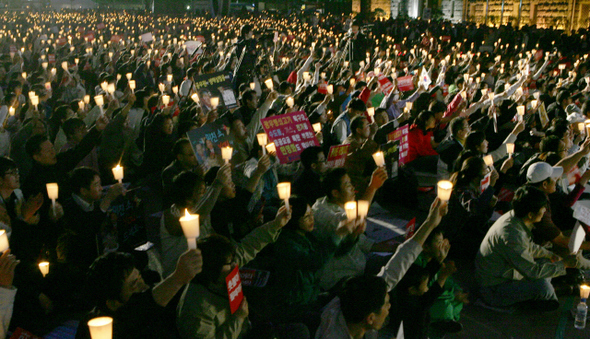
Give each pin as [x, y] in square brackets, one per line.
[186, 213]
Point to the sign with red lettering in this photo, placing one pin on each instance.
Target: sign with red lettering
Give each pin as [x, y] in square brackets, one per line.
[323, 88]
[291, 134]
[401, 134]
[386, 85]
[61, 41]
[485, 182]
[51, 58]
[19, 333]
[234, 289]
[410, 228]
[574, 175]
[405, 83]
[337, 155]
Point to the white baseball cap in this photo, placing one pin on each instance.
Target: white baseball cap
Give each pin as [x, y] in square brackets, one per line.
[541, 171]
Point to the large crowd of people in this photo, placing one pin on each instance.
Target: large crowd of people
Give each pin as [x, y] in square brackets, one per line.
[499, 111]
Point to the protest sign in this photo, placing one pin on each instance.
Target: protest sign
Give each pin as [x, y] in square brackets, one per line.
[234, 289]
[100, 26]
[485, 182]
[191, 46]
[337, 155]
[215, 85]
[291, 134]
[576, 238]
[410, 228]
[125, 227]
[146, 37]
[386, 85]
[446, 38]
[401, 134]
[543, 115]
[391, 155]
[405, 83]
[254, 278]
[207, 142]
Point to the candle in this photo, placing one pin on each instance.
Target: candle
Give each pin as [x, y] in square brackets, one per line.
[132, 85]
[581, 128]
[81, 104]
[226, 153]
[161, 87]
[111, 88]
[491, 96]
[24, 75]
[118, 173]
[3, 241]
[64, 65]
[371, 111]
[561, 67]
[284, 189]
[587, 128]
[533, 104]
[350, 208]
[317, 127]
[165, 100]
[195, 98]
[379, 159]
[214, 102]
[271, 148]
[53, 71]
[101, 328]
[445, 188]
[87, 99]
[44, 64]
[520, 110]
[190, 228]
[35, 101]
[346, 64]
[330, 89]
[306, 76]
[169, 77]
[290, 102]
[363, 208]
[52, 193]
[175, 90]
[44, 268]
[510, 148]
[252, 85]
[352, 82]
[269, 84]
[489, 160]
[584, 291]
[11, 111]
[377, 71]
[129, 75]
[409, 105]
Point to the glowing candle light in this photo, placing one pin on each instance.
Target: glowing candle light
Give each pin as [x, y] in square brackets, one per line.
[52, 193]
[226, 153]
[190, 228]
[44, 268]
[214, 102]
[284, 190]
[118, 173]
[4, 245]
[290, 102]
[351, 210]
[101, 328]
[379, 159]
[362, 208]
[445, 188]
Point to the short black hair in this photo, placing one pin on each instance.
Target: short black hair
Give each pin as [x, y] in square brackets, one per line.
[6, 164]
[82, 177]
[413, 278]
[71, 125]
[357, 122]
[33, 145]
[298, 209]
[216, 249]
[550, 144]
[247, 95]
[106, 276]
[183, 186]
[178, 147]
[333, 180]
[309, 156]
[473, 140]
[456, 125]
[357, 105]
[528, 199]
[361, 296]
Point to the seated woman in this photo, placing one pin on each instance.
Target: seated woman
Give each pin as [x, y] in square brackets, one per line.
[204, 309]
[421, 151]
[470, 207]
[300, 255]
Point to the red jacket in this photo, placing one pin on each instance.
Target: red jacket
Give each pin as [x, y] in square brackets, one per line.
[419, 144]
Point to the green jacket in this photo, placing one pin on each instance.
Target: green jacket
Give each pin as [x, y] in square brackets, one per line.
[204, 311]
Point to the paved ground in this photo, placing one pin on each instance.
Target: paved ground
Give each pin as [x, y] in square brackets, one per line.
[480, 322]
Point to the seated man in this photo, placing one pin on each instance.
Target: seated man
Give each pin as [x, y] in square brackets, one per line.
[329, 212]
[86, 210]
[308, 183]
[360, 152]
[341, 127]
[360, 309]
[184, 160]
[544, 177]
[506, 265]
[119, 292]
[451, 147]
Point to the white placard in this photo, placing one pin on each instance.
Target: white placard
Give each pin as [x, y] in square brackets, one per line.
[577, 238]
[147, 37]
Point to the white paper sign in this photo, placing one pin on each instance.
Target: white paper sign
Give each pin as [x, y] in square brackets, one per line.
[191, 46]
[582, 211]
[577, 238]
[400, 332]
[146, 37]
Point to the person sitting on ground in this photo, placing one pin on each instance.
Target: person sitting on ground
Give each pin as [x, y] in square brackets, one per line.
[341, 126]
[362, 305]
[509, 266]
[308, 183]
[118, 291]
[203, 311]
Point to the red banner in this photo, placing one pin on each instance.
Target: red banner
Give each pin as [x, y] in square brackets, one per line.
[337, 155]
[386, 85]
[405, 83]
[401, 134]
[291, 134]
[234, 289]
